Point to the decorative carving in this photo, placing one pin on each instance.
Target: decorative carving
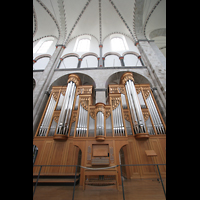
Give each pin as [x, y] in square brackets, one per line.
[145, 114]
[92, 113]
[126, 115]
[146, 92]
[125, 77]
[56, 118]
[56, 115]
[55, 95]
[108, 112]
[84, 90]
[84, 102]
[115, 102]
[75, 79]
[74, 116]
[117, 89]
[138, 90]
[63, 90]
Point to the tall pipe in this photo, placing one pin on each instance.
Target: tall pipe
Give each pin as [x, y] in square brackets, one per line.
[132, 109]
[63, 109]
[138, 107]
[159, 123]
[47, 118]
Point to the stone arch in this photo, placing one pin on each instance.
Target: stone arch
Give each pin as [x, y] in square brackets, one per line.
[131, 52]
[89, 54]
[70, 55]
[62, 80]
[115, 78]
[111, 53]
[42, 56]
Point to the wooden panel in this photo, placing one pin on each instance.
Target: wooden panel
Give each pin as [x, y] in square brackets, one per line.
[100, 150]
[150, 153]
[146, 171]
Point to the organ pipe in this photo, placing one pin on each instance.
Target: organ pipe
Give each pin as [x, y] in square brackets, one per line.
[134, 104]
[118, 125]
[81, 129]
[65, 113]
[100, 124]
[155, 116]
[67, 105]
[47, 117]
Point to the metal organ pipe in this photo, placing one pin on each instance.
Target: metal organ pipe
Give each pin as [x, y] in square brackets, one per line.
[155, 116]
[134, 104]
[100, 123]
[81, 129]
[132, 109]
[117, 120]
[47, 118]
[139, 110]
[65, 113]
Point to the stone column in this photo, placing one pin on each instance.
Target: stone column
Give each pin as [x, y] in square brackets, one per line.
[79, 62]
[156, 71]
[100, 59]
[122, 61]
[100, 95]
[40, 92]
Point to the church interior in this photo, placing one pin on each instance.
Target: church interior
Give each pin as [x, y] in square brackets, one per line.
[99, 98]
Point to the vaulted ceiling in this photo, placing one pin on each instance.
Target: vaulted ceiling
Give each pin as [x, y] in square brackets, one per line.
[67, 19]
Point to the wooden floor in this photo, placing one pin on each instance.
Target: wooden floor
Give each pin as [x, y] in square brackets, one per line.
[137, 189]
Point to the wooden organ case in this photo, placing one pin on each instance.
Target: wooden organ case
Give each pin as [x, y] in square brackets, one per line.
[71, 122]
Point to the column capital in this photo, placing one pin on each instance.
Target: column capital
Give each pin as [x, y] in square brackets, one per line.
[80, 59]
[122, 57]
[143, 40]
[62, 45]
[75, 78]
[101, 45]
[125, 77]
[34, 61]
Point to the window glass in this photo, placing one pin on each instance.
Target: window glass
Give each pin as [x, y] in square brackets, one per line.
[42, 47]
[83, 45]
[117, 44]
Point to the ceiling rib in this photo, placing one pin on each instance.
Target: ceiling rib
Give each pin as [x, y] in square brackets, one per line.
[125, 23]
[100, 30]
[48, 11]
[149, 15]
[76, 22]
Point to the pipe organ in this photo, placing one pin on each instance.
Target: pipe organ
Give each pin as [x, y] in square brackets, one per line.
[100, 130]
[131, 110]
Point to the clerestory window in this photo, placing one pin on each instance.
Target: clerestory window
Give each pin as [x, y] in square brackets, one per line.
[83, 45]
[42, 47]
[117, 44]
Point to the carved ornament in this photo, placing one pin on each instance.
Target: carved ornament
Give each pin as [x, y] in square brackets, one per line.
[125, 77]
[115, 102]
[126, 115]
[146, 92]
[84, 102]
[75, 78]
[145, 114]
[117, 89]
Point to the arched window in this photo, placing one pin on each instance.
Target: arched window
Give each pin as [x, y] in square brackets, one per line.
[83, 45]
[117, 44]
[42, 47]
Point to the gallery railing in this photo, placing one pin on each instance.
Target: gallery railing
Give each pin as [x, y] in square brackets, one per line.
[122, 178]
